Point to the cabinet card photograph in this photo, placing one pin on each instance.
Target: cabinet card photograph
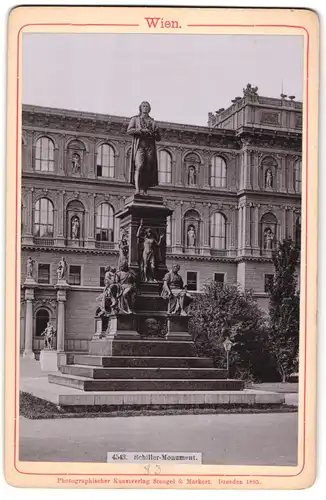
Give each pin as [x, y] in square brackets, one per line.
[161, 247]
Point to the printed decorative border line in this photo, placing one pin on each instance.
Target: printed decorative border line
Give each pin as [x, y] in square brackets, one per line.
[305, 266]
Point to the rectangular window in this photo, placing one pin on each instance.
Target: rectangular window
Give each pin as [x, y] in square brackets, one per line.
[219, 278]
[102, 275]
[268, 282]
[74, 275]
[43, 273]
[191, 280]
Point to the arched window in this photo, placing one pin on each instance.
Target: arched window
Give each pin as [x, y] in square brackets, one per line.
[42, 318]
[105, 223]
[298, 176]
[218, 172]
[43, 218]
[44, 155]
[168, 232]
[164, 167]
[218, 231]
[105, 161]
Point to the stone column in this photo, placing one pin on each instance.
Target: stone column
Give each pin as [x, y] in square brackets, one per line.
[177, 235]
[282, 175]
[28, 163]
[239, 229]
[91, 159]
[244, 170]
[179, 167]
[256, 249]
[206, 170]
[255, 170]
[246, 228]
[29, 321]
[205, 240]
[233, 232]
[91, 221]
[27, 237]
[119, 161]
[291, 174]
[60, 239]
[61, 298]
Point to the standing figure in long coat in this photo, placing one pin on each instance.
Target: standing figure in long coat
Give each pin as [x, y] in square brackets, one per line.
[143, 158]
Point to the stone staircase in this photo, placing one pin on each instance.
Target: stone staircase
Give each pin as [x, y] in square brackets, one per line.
[143, 365]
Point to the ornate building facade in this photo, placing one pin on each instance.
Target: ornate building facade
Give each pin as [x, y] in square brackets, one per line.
[234, 188]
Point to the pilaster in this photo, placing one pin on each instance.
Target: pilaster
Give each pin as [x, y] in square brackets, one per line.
[60, 238]
[91, 221]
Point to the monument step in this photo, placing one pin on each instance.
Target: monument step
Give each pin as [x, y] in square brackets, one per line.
[152, 348]
[141, 361]
[97, 373]
[85, 384]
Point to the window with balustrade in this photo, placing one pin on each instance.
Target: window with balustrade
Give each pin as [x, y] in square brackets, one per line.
[44, 155]
[218, 232]
[164, 167]
[105, 161]
[218, 172]
[105, 223]
[43, 218]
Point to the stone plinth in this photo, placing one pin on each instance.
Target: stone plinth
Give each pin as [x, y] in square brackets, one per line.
[157, 348]
[178, 328]
[48, 360]
[154, 213]
[122, 326]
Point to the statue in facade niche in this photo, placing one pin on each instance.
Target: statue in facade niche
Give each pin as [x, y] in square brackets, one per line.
[269, 179]
[268, 239]
[61, 269]
[75, 163]
[149, 253]
[143, 158]
[176, 293]
[49, 336]
[192, 176]
[30, 267]
[75, 228]
[191, 235]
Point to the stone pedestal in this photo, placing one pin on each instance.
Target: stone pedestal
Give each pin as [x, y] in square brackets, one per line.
[61, 298]
[154, 213]
[49, 360]
[178, 328]
[98, 328]
[122, 326]
[29, 297]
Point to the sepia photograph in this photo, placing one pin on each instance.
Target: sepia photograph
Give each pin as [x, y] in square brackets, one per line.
[161, 191]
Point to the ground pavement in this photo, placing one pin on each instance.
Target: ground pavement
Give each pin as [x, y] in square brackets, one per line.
[234, 439]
